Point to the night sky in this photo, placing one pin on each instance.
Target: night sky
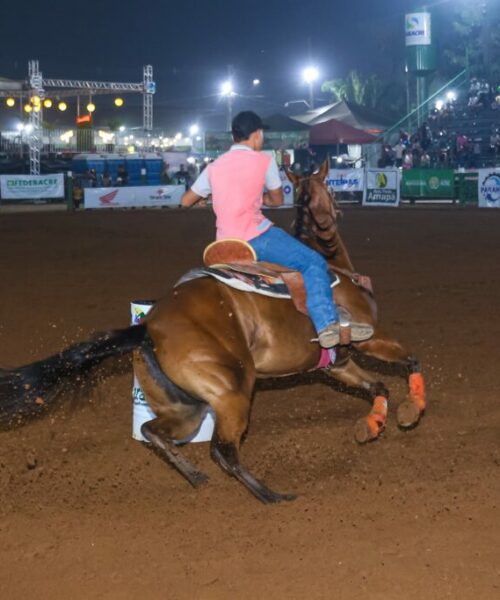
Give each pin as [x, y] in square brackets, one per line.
[192, 44]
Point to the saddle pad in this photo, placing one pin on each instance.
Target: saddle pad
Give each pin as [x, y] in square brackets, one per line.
[245, 279]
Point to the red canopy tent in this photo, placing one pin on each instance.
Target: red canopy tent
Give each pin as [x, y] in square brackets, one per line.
[336, 132]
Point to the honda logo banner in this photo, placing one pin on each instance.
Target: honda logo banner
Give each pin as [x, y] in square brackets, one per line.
[129, 197]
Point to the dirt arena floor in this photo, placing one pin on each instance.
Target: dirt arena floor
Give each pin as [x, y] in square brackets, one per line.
[88, 513]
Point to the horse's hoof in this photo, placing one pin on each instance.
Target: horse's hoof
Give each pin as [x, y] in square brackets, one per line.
[363, 432]
[408, 414]
[197, 479]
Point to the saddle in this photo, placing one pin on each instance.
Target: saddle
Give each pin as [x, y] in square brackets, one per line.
[234, 259]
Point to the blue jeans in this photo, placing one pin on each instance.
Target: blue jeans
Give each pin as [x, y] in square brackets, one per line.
[275, 245]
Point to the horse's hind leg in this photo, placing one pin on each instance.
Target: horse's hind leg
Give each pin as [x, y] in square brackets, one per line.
[231, 411]
[370, 427]
[154, 432]
[226, 383]
[389, 350]
[176, 420]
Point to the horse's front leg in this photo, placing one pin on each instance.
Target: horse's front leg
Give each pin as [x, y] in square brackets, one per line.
[389, 350]
[349, 373]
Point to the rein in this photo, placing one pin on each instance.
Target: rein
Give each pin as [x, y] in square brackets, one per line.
[303, 230]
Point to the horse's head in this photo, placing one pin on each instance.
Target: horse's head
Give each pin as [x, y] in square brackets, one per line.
[317, 215]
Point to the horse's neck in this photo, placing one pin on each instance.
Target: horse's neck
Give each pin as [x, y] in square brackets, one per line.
[336, 254]
[341, 257]
[330, 245]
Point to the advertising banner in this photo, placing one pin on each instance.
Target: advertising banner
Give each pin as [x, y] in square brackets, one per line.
[128, 197]
[346, 180]
[489, 188]
[27, 187]
[428, 183]
[287, 189]
[418, 29]
[382, 187]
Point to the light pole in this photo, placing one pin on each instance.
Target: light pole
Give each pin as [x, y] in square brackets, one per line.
[194, 133]
[310, 74]
[227, 91]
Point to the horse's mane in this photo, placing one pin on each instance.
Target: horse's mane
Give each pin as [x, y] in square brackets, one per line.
[316, 221]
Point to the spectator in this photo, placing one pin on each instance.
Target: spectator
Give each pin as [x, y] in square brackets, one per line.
[398, 153]
[407, 160]
[182, 177]
[165, 175]
[425, 160]
[77, 195]
[122, 176]
[106, 179]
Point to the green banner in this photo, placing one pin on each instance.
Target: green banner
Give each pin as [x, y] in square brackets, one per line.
[428, 183]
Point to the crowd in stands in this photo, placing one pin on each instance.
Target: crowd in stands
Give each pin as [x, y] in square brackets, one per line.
[457, 134]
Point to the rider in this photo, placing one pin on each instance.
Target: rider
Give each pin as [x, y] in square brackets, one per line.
[236, 181]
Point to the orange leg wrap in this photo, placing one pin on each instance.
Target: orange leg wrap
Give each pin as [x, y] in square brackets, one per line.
[417, 390]
[378, 415]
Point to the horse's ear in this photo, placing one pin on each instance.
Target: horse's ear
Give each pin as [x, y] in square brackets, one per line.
[324, 170]
[292, 177]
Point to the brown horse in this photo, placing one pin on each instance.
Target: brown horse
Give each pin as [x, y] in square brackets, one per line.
[205, 344]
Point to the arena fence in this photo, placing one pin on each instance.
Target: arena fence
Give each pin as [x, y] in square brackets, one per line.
[370, 187]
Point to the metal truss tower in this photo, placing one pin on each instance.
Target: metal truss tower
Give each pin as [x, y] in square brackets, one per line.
[147, 104]
[35, 136]
[37, 86]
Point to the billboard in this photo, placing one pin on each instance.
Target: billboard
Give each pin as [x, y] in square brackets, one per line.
[382, 187]
[489, 188]
[418, 29]
[428, 183]
[27, 187]
[128, 197]
[346, 180]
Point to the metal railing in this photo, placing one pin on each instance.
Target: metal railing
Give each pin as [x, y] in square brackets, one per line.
[407, 119]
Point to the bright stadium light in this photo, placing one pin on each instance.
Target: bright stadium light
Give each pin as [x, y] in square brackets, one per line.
[227, 92]
[451, 96]
[28, 128]
[226, 89]
[194, 130]
[256, 82]
[439, 105]
[91, 107]
[10, 102]
[27, 108]
[118, 102]
[310, 74]
[121, 128]
[20, 126]
[47, 103]
[62, 106]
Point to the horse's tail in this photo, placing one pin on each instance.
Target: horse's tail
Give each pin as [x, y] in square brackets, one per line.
[29, 390]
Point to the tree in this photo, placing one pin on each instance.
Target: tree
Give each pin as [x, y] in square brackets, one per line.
[360, 89]
[355, 88]
[114, 124]
[474, 40]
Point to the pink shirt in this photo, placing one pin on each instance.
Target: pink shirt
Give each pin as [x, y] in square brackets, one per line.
[237, 181]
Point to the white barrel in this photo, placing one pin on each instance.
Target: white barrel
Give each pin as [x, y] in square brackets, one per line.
[141, 410]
